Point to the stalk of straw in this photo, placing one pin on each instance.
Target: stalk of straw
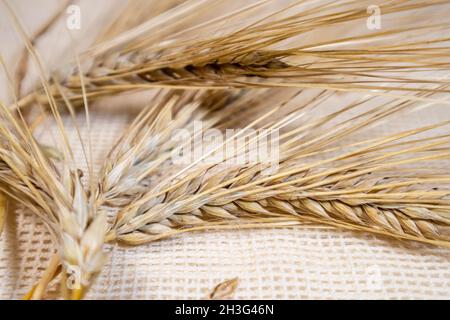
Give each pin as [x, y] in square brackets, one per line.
[3, 210]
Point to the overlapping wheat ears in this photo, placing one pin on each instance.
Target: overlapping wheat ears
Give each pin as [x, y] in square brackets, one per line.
[263, 65]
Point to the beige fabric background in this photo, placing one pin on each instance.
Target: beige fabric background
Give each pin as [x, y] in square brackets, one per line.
[298, 263]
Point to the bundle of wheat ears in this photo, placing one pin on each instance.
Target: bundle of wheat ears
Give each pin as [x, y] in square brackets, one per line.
[258, 66]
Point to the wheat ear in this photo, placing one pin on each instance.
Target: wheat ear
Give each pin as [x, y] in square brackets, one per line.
[241, 193]
[53, 192]
[406, 219]
[254, 54]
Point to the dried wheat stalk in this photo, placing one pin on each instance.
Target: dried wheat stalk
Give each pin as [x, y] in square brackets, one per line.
[253, 52]
[336, 191]
[53, 191]
[416, 221]
[56, 195]
[34, 182]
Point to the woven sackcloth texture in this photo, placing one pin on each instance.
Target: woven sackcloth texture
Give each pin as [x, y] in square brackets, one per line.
[278, 263]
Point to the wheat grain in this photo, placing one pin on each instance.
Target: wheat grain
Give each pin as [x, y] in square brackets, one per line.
[224, 290]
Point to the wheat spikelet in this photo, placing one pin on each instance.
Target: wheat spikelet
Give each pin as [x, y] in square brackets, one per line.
[55, 195]
[147, 145]
[60, 200]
